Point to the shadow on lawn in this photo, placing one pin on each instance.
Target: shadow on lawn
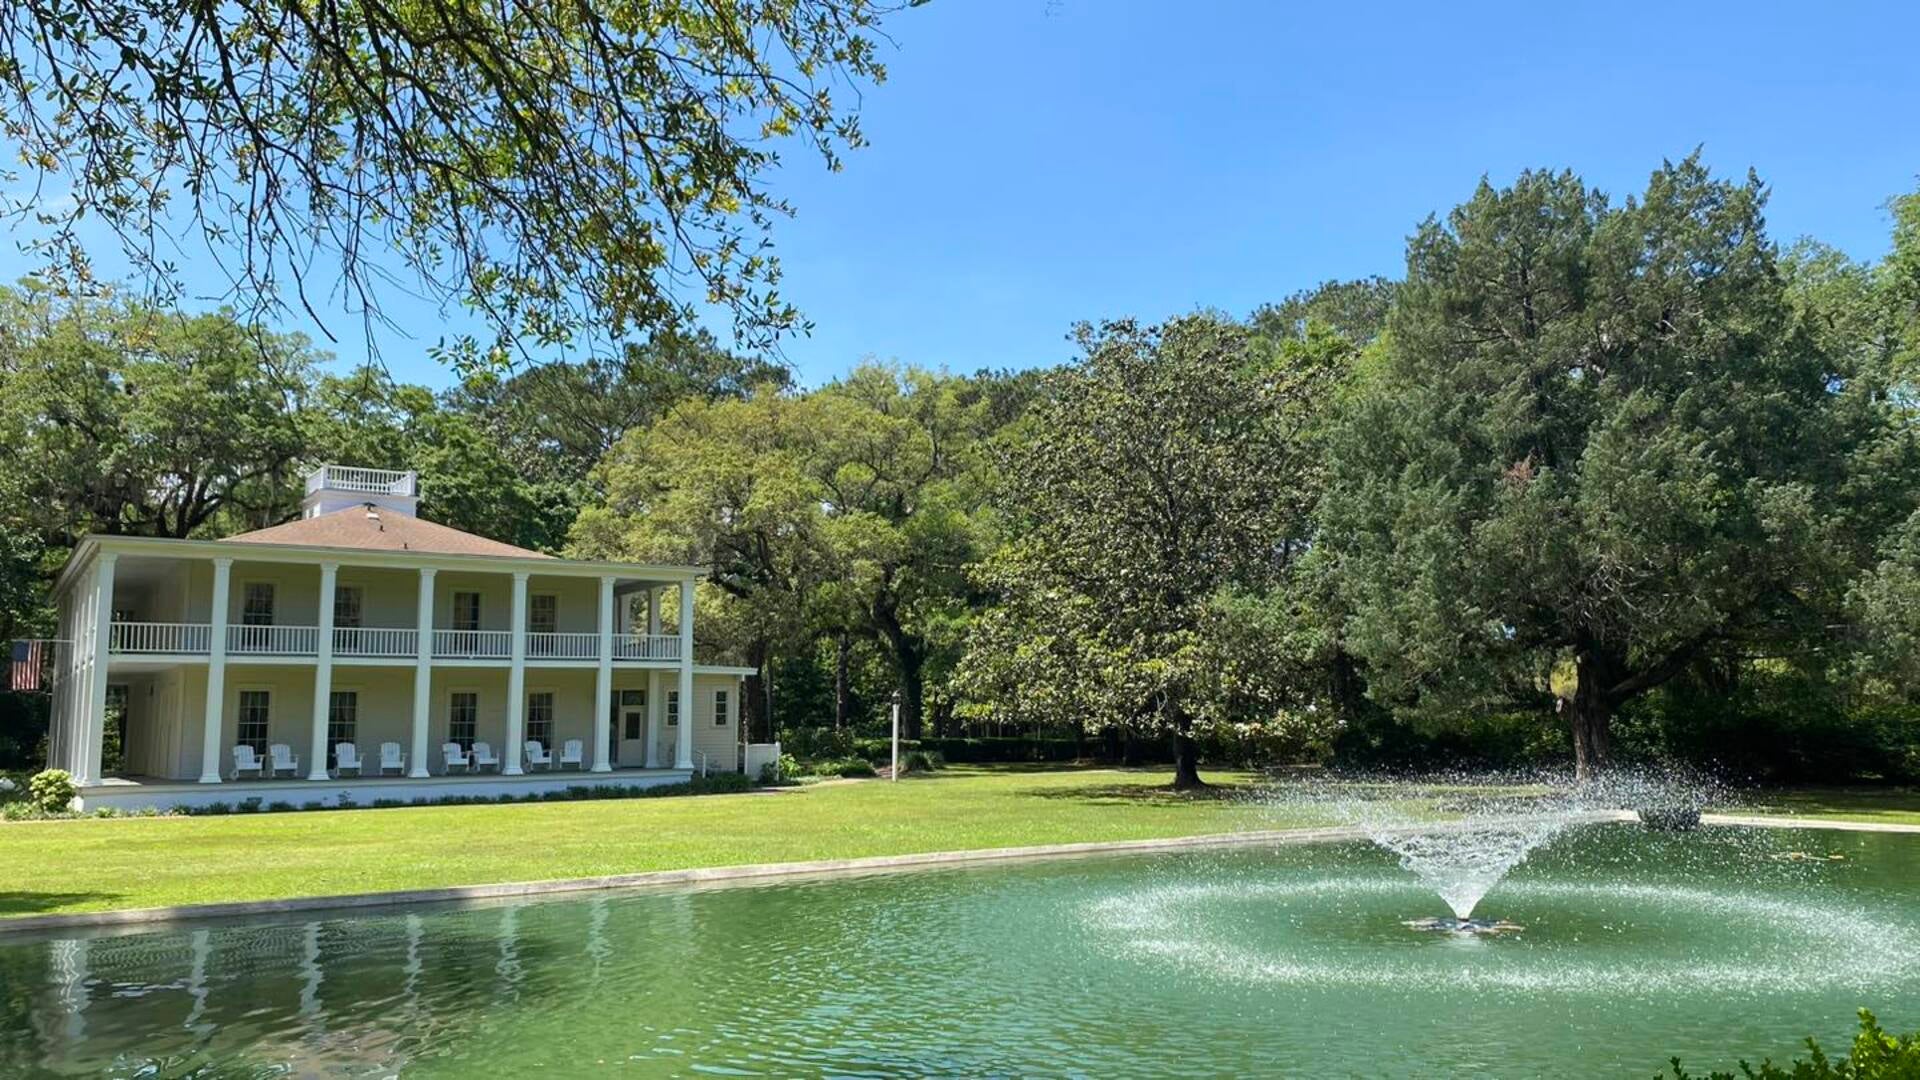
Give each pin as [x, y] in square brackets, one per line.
[39, 903]
[1140, 794]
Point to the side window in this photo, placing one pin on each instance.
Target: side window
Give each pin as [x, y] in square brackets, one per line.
[257, 604]
[466, 611]
[346, 606]
[673, 708]
[720, 708]
[543, 613]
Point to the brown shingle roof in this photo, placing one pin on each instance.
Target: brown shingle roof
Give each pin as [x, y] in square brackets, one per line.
[390, 531]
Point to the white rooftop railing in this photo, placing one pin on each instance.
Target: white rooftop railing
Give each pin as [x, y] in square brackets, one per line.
[362, 481]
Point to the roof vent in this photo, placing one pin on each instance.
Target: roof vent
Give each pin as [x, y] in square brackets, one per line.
[342, 487]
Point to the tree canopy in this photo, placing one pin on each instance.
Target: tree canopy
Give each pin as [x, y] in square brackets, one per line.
[556, 168]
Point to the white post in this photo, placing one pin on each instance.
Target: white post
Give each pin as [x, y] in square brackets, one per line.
[603, 679]
[210, 742]
[895, 775]
[653, 611]
[683, 746]
[517, 678]
[422, 674]
[93, 739]
[323, 673]
[654, 707]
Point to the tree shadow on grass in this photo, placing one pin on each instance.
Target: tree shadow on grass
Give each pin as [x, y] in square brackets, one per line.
[1162, 795]
[40, 903]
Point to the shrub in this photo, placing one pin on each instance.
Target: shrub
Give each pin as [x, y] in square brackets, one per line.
[279, 807]
[52, 790]
[248, 806]
[1875, 1055]
[847, 767]
[920, 761]
[720, 783]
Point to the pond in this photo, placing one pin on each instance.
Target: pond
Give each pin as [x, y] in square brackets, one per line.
[1634, 947]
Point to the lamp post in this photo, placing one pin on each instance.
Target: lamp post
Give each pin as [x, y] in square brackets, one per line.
[895, 775]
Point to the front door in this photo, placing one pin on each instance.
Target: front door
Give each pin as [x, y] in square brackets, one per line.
[631, 732]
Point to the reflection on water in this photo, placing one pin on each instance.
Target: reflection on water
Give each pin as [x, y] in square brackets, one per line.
[1291, 961]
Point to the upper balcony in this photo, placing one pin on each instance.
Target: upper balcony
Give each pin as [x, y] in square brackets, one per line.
[131, 639]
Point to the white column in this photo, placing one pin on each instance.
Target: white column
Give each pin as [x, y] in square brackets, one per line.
[654, 705]
[517, 679]
[211, 744]
[683, 749]
[603, 680]
[322, 673]
[422, 675]
[653, 610]
[94, 725]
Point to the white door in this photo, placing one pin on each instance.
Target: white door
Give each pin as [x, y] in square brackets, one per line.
[632, 752]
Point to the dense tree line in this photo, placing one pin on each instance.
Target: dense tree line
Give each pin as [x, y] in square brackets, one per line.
[1587, 468]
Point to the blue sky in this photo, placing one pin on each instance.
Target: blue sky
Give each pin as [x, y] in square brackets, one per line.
[1038, 162]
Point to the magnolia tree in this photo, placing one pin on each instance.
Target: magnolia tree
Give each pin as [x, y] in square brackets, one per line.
[1602, 438]
[1162, 470]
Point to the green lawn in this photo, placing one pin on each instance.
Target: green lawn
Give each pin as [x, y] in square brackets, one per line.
[87, 865]
[1893, 806]
[95, 864]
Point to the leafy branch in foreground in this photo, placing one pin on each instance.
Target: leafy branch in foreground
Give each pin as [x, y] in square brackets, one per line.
[563, 169]
[1876, 1055]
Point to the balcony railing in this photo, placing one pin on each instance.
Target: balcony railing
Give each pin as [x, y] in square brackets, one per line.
[547, 646]
[375, 641]
[646, 647]
[156, 638]
[472, 644]
[364, 481]
[273, 640]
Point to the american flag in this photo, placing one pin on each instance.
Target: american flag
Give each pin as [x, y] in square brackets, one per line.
[32, 660]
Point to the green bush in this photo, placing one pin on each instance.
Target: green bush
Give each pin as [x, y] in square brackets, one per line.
[1876, 1055]
[52, 791]
[720, 783]
[920, 761]
[846, 767]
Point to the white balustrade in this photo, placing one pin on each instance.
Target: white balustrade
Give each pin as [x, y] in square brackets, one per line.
[175, 639]
[365, 481]
[646, 647]
[472, 644]
[549, 646]
[375, 641]
[273, 640]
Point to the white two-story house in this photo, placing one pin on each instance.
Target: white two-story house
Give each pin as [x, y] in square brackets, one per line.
[363, 653]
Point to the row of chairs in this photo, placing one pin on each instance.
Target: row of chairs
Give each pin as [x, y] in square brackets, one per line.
[280, 759]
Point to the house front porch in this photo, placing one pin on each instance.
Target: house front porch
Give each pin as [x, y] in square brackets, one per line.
[130, 793]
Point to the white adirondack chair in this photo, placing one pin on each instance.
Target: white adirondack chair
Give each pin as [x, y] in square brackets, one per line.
[483, 757]
[245, 761]
[537, 756]
[570, 754]
[282, 759]
[346, 756]
[392, 758]
[455, 757]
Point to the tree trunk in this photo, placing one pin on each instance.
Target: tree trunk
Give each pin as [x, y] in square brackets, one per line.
[1592, 717]
[913, 692]
[1186, 756]
[842, 691]
[753, 712]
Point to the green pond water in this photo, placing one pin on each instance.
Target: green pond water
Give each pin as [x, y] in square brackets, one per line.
[1635, 947]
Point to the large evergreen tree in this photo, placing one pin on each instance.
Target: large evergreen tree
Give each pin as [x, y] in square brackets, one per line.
[1600, 436]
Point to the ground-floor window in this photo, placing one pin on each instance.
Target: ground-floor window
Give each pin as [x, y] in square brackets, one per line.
[673, 708]
[113, 733]
[540, 717]
[719, 708]
[630, 701]
[463, 715]
[343, 717]
[255, 709]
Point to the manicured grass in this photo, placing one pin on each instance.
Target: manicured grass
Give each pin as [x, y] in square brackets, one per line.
[88, 865]
[1893, 806]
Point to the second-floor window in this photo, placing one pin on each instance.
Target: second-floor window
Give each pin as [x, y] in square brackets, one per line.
[256, 607]
[543, 613]
[466, 611]
[346, 606]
